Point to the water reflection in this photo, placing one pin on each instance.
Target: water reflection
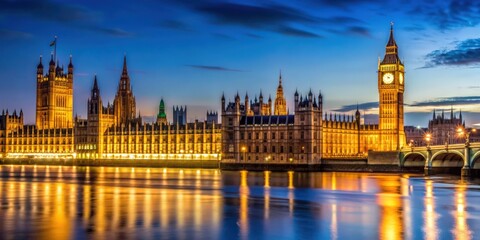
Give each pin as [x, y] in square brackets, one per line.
[53, 202]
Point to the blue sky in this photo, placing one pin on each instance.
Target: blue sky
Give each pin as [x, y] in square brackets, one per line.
[189, 52]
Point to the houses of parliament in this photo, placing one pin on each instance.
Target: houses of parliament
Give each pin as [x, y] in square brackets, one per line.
[251, 130]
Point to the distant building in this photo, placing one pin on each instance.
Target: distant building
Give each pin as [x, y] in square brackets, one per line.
[179, 115]
[212, 117]
[415, 136]
[444, 129]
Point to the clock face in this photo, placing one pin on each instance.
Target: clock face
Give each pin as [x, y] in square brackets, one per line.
[387, 78]
[400, 78]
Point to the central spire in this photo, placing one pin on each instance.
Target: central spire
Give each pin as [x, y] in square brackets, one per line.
[391, 40]
[124, 79]
[391, 52]
[124, 71]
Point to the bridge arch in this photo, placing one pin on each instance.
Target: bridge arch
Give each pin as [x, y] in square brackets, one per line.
[474, 161]
[444, 158]
[414, 159]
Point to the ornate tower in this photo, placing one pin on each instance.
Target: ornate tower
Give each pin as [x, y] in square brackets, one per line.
[280, 102]
[162, 115]
[124, 103]
[54, 96]
[94, 116]
[391, 84]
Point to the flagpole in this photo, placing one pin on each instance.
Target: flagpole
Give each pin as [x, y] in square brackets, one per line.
[55, 51]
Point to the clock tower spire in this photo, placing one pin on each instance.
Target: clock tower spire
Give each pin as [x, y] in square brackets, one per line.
[391, 88]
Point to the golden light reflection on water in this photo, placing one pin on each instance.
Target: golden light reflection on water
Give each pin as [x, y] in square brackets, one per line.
[244, 194]
[106, 205]
[430, 228]
[461, 230]
[62, 202]
[390, 202]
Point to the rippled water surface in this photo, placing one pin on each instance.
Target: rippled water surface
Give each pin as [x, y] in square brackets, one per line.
[53, 202]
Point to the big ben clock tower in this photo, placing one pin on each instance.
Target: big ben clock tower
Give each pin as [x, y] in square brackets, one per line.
[391, 85]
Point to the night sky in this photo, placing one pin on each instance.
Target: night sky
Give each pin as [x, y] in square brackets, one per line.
[189, 52]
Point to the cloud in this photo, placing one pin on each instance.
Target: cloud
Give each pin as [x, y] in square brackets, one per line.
[361, 106]
[116, 32]
[447, 101]
[297, 32]
[252, 15]
[357, 30]
[60, 12]
[343, 4]
[465, 53]
[447, 15]
[213, 68]
[175, 24]
[9, 34]
[273, 16]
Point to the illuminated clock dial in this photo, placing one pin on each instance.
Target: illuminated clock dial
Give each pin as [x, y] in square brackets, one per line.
[400, 78]
[387, 78]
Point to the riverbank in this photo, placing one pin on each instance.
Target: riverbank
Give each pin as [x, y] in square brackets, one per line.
[326, 166]
[207, 164]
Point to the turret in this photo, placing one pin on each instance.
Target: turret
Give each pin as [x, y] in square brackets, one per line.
[295, 97]
[357, 116]
[261, 97]
[40, 70]
[247, 106]
[310, 97]
[70, 69]
[237, 102]
[40, 66]
[320, 101]
[223, 102]
[51, 66]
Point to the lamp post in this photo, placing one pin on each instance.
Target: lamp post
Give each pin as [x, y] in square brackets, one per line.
[244, 150]
[428, 138]
[462, 132]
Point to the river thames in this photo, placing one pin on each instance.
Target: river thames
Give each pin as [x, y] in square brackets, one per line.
[59, 202]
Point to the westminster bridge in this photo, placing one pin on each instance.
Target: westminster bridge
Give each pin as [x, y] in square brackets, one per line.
[462, 156]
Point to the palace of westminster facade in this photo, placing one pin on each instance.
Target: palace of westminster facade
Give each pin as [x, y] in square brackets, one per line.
[249, 131]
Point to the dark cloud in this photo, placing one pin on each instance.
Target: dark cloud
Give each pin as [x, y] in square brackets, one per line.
[175, 24]
[464, 53]
[446, 15]
[272, 16]
[117, 32]
[253, 35]
[448, 101]
[286, 30]
[213, 68]
[343, 4]
[361, 106]
[9, 34]
[252, 15]
[357, 30]
[48, 10]
[60, 12]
